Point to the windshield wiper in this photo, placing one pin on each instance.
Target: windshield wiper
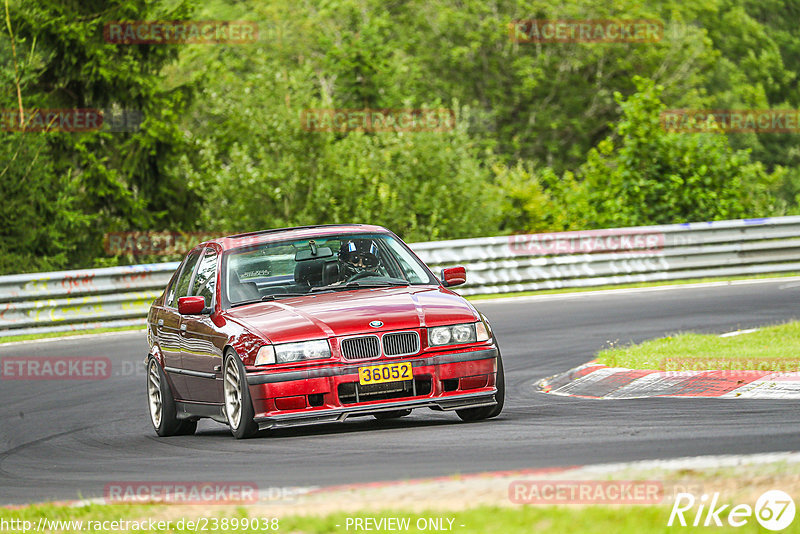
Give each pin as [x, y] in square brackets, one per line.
[360, 285]
[274, 296]
[382, 283]
[267, 298]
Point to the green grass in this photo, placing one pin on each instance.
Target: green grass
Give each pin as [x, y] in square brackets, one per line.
[508, 520]
[632, 285]
[46, 335]
[773, 348]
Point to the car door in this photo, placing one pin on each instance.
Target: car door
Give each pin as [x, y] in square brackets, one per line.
[168, 327]
[202, 343]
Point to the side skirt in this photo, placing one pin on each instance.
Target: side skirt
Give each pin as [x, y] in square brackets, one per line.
[197, 410]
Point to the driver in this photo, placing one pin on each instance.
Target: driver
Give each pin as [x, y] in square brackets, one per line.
[358, 256]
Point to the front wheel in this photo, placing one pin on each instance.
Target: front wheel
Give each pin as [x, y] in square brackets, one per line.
[487, 412]
[163, 414]
[238, 404]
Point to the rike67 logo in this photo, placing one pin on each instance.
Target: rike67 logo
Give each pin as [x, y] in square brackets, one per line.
[774, 510]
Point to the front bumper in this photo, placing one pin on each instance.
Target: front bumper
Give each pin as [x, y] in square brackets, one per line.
[445, 381]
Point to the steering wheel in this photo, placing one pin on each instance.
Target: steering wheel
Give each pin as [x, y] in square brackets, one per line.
[362, 274]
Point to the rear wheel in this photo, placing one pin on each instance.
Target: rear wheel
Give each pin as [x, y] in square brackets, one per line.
[238, 404]
[487, 412]
[395, 414]
[163, 414]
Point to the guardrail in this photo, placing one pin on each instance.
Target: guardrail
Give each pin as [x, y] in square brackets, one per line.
[121, 296]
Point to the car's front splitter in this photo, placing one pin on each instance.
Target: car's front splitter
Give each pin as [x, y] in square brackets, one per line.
[338, 415]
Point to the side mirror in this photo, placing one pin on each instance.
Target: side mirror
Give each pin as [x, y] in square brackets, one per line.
[454, 276]
[191, 305]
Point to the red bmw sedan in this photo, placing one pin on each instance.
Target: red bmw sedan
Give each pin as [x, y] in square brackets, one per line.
[315, 325]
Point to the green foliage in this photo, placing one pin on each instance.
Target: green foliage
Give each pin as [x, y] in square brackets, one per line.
[650, 176]
[64, 190]
[549, 136]
[423, 185]
[527, 203]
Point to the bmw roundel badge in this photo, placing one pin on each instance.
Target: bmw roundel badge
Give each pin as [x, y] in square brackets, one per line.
[376, 324]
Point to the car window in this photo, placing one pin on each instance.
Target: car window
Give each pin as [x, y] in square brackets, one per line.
[206, 278]
[171, 289]
[412, 270]
[182, 287]
[325, 262]
[261, 263]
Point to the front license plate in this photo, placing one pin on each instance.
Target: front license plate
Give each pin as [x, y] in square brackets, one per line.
[390, 372]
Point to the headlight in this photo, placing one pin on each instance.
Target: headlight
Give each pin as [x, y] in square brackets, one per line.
[439, 336]
[457, 334]
[484, 329]
[293, 352]
[266, 355]
[306, 350]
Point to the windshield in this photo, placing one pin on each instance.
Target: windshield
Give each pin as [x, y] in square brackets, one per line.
[330, 263]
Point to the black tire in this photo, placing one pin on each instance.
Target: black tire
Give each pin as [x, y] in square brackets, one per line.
[243, 426]
[186, 428]
[161, 405]
[487, 412]
[395, 414]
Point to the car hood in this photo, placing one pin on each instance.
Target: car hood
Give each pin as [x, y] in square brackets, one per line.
[350, 312]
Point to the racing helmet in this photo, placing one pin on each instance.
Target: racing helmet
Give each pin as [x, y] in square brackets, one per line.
[359, 255]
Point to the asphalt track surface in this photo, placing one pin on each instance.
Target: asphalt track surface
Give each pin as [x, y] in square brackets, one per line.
[67, 440]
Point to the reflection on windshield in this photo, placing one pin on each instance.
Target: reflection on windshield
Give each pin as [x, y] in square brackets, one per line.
[295, 268]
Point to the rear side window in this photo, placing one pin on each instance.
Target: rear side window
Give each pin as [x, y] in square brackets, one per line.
[181, 288]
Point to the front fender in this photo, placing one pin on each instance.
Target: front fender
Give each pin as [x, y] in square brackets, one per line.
[155, 353]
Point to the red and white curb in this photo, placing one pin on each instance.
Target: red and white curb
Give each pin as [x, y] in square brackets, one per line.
[597, 381]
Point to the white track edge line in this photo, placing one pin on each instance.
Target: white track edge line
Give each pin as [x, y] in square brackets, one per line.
[622, 291]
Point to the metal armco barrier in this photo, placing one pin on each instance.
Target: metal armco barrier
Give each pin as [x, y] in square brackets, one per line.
[80, 300]
[119, 296]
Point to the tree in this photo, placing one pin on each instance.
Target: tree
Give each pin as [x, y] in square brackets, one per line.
[651, 176]
[89, 183]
